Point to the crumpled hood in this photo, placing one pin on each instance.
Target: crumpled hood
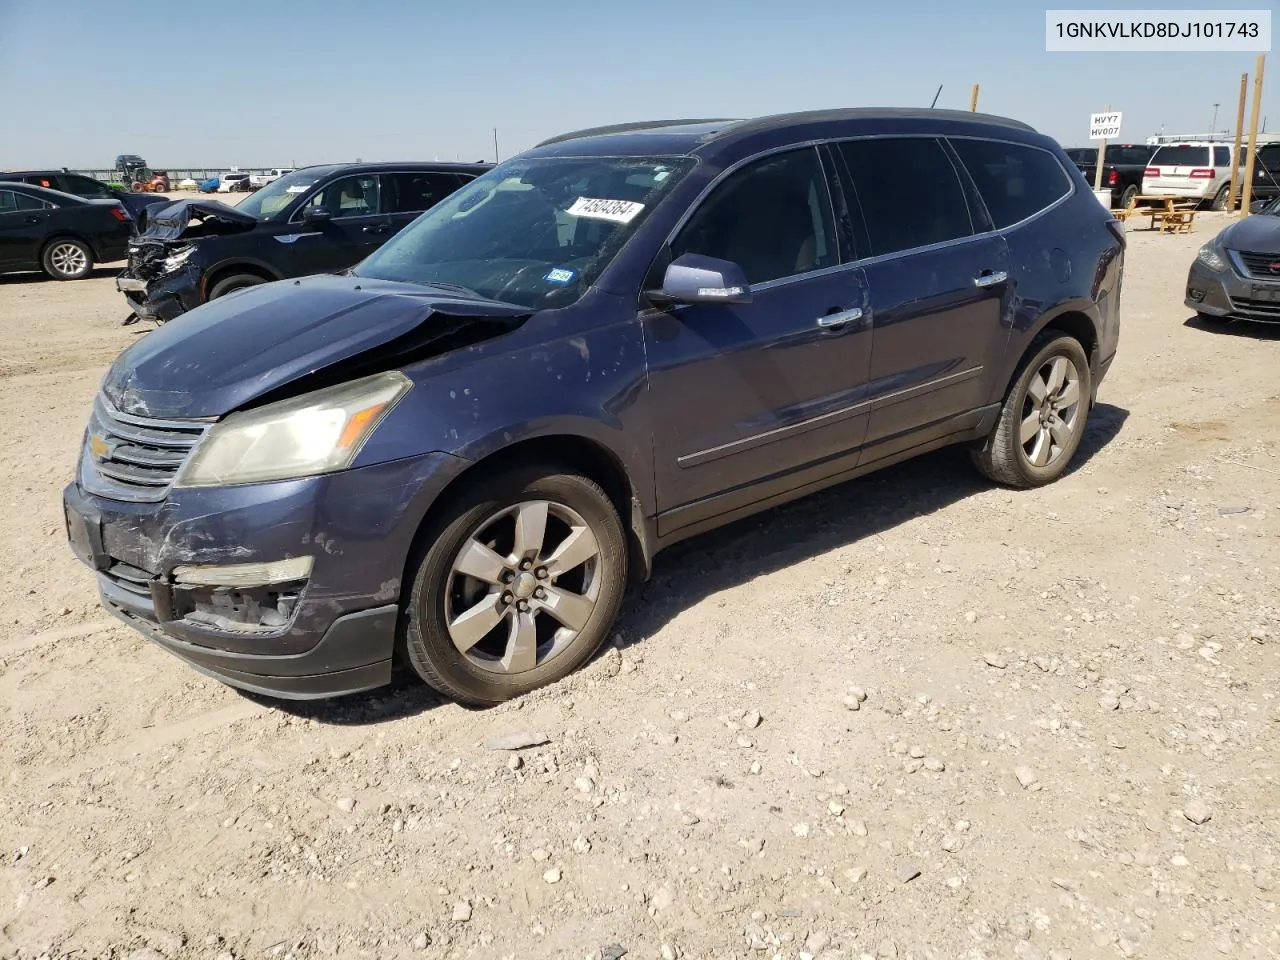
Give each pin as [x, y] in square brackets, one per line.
[1259, 233]
[232, 350]
[173, 220]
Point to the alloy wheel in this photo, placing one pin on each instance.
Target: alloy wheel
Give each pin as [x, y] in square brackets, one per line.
[68, 259]
[1051, 411]
[522, 586]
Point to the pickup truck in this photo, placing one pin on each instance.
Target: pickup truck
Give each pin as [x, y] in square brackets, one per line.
[259, 180]
[1122, 169]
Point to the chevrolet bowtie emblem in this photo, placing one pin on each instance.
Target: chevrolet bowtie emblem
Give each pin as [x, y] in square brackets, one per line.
[99, 448]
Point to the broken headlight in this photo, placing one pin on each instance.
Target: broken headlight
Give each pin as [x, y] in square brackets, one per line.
[316, 433]
[177, 259]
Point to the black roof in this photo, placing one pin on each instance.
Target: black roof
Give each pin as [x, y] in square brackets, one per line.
[401, 165]
[41, 193]
[712, 130]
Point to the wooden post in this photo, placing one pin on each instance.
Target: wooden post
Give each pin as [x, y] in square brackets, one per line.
[1235, 149]
[1253, 133]
[1102, 156]
[973, 100]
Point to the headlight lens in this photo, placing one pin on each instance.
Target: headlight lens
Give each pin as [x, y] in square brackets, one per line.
[175, 260]
[317, 433]
[1211, 258]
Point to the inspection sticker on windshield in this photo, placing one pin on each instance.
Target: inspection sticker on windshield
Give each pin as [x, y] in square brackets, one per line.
[619, 211]
[296, 189]
[559, 275]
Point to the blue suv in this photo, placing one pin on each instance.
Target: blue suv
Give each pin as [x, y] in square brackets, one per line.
[456, 454]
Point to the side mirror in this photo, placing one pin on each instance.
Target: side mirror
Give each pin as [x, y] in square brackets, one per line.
[316, 216]
[693, 278]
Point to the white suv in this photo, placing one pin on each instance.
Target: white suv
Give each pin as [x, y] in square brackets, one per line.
[1197, 170]
[257, 180]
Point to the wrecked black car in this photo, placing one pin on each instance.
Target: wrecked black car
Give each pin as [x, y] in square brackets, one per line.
[316, 220]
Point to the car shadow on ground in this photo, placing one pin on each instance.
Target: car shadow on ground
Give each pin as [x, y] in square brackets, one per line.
[1236, 328]
[37, 276]
[689, 572]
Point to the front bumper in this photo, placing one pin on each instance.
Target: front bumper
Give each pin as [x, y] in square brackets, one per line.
[164, 297]
[1224, 293]
[340, 631]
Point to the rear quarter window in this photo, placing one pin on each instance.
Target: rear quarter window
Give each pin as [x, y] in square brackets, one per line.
[1181, 157]
[1015, 181]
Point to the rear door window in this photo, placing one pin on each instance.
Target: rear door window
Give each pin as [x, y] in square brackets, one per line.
[1181, 157]
[1014, 180]
[85, 187]
[909, 192]
[415, 192]
[1222, 156]
[11, 202]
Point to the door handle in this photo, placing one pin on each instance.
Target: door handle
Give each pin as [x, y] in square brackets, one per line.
[32, 218]
[990, 278]
[833, 321]
[377, 228]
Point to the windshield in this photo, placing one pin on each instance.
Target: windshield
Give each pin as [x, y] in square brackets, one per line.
[267, 203]
[533, 232]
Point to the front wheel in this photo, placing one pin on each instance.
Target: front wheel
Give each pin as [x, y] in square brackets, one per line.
[237, 281]
[1043, 417]
[516, 587]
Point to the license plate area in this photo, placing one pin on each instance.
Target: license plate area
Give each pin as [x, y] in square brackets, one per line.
[1269, 292]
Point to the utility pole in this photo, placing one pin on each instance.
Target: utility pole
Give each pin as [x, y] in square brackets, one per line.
[495, 144]
[973, 100]
[1235, 150]
[1213, 127]
[1102, 154]
[1253, 133]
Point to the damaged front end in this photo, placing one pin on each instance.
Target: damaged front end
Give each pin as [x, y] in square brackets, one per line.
[162, 280]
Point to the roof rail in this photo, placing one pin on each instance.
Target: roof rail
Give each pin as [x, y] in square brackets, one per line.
[627, 128]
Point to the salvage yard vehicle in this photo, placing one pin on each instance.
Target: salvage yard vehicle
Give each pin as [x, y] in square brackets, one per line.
[85, 187]
[61, 234]
[316, 220]
[1123, 168]
[1198, 170]
[1236, 275]
[233, 183]
[458, 453]
[259, 180]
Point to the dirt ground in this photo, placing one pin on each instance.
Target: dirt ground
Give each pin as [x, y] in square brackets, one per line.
[1067, 746]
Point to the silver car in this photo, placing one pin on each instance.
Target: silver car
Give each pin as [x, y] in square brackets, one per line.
[1236, 275]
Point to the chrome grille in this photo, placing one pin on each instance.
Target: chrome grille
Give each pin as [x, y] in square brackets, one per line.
[1258, 265]
[135, 458]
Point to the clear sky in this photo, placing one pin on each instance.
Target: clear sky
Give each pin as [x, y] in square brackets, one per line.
[288, 82]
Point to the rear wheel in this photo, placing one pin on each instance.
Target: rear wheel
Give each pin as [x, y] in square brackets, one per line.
[1127, 197]
[237, 281]
[517, 585]
[1220, 198]
[66, 258]
[1043, 417]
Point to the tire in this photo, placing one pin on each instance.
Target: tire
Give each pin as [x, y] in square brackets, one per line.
[66, 258]
[1004, 456]
[1127, 196]
[479, 532]
[237, 281]
[1220, 198]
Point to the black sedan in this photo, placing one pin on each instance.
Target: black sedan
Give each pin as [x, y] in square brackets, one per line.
[60, 234]
[86, 188]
